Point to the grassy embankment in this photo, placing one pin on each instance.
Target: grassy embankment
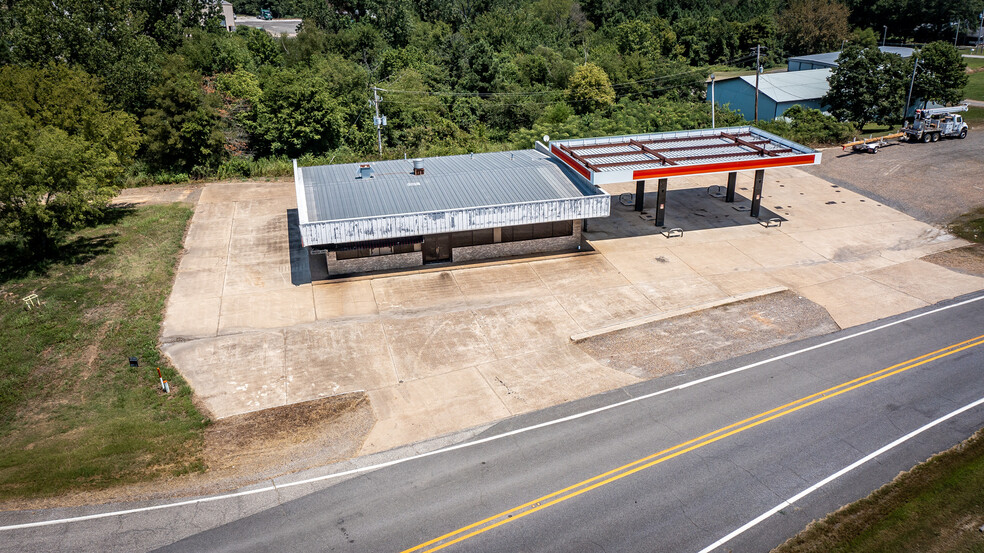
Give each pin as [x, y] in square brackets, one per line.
[975, 87]
[73, 415]
[937, 506]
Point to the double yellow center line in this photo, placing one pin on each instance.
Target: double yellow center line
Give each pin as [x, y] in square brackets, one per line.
[575, 490]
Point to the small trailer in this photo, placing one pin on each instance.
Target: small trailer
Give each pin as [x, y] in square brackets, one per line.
[932, 124]
[870, 145]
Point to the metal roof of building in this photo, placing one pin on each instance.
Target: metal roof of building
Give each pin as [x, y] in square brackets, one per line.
[455, 194]
[792, 86]
[830, 58]
[334, 192]
[646, 156]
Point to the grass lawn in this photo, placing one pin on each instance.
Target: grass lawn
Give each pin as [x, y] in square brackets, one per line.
[975, 87]
[73, 414]
[974, 63]
[974, 118]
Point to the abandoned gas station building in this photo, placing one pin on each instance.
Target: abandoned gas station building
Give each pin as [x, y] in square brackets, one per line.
[405, 213]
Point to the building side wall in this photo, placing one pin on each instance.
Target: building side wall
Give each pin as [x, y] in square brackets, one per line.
[737, 95]
[524, 247]
[458, 220]
[374, 263]
[229, 17]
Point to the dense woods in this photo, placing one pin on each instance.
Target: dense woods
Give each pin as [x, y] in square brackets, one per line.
[183, 97]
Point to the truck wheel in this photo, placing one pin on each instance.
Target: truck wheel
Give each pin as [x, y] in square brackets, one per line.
[926, 137]
[963, 133]
[936, 136]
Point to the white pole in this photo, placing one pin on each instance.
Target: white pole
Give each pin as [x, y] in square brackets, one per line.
[980, 30]
[758, 70]
[712, 101]
[378, 120]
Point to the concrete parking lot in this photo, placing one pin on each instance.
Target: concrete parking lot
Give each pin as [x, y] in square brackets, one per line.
[452, 347]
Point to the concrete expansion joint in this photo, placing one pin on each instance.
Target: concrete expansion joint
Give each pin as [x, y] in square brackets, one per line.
[676, 313]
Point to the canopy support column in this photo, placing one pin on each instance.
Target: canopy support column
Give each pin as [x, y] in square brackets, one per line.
[640, 195]
[757, 192]
[660, 202]
[732, 178]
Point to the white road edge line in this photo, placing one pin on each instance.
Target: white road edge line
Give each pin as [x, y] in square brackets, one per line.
[789, 502]
[482, 440]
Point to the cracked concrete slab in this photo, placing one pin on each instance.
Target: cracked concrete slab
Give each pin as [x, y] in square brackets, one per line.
[474, 343]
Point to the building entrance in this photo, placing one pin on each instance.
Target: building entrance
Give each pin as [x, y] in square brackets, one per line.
[437, 248]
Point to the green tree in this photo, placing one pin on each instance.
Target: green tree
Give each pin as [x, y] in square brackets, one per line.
[855, 84]
[589, 89]
[63, 153]
[814, 26]
[942, 74]
[308, 111]
[118, 41]
[809, 126]
[182, 126]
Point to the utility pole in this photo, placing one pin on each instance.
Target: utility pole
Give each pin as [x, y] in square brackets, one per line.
[758, 70]
[712, 101]
[884, 36]
[980, 30]
[905, 112]
[377, 120]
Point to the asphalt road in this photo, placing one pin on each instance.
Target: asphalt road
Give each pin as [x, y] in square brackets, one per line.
[275, 27]
[672, 464]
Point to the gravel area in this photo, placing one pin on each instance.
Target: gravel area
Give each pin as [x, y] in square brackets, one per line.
[934, 182]
[968, 260]
[696, 339]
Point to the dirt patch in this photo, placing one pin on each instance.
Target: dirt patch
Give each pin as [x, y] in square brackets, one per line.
[248, 448]
[672, 345]
[968, 260]
[289, 438]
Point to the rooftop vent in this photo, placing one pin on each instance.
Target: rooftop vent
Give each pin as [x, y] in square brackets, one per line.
[365, 171]
[418, 166]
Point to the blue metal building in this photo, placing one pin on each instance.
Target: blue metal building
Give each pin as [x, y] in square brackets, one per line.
[828, 60]
[777, 92]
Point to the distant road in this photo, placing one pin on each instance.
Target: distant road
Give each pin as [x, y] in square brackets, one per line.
[674, 472]
[675, 464]
[275, 27]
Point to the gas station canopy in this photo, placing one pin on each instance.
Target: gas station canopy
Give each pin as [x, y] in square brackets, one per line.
[638, 157]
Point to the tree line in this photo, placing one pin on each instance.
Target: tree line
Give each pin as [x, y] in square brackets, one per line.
[97, 92]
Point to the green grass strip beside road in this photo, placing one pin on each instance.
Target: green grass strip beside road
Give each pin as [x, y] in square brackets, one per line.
[73, 415]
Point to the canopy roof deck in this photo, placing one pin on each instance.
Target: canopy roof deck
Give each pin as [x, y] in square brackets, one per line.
[614, 159]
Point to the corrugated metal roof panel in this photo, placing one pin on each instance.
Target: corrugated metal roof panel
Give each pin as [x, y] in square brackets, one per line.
[333, 192]
[792, 86]
[830, 58]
